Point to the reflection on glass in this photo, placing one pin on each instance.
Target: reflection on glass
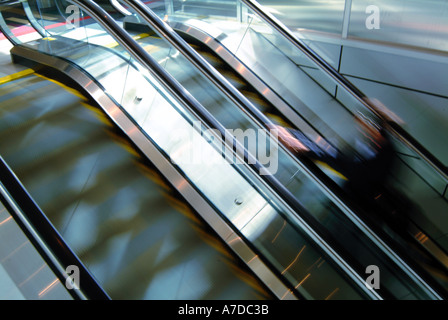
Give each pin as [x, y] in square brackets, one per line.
[416, 23]
[17, 21]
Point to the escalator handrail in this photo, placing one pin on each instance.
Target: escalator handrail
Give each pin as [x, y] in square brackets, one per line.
[9, 3]
[138, 53]
[4, 29]
[44, 236]
[325, 183]
[395, 129]
[33, 23]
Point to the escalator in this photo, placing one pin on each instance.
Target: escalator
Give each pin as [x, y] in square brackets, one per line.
[92, 55]
[132, 231]
[93, 243]
[428, 177]
[386, 227]
[413, 236]
[377, 70]
[437, 264]
[315, 95]
[267, 108]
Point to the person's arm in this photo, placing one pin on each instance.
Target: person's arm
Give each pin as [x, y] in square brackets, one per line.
[288, 139]
[328, 157]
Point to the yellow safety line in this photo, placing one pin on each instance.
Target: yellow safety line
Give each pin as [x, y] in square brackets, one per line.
[27, 72]
[137, 37]
[67, 88]
[333, 171]
[16, 76]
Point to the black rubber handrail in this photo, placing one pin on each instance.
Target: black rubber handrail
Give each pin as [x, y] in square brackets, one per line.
[89, 288]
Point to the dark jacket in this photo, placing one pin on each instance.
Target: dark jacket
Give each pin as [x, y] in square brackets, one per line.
[366, 168]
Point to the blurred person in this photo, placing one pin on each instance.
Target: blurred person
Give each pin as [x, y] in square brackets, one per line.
[365, 168]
